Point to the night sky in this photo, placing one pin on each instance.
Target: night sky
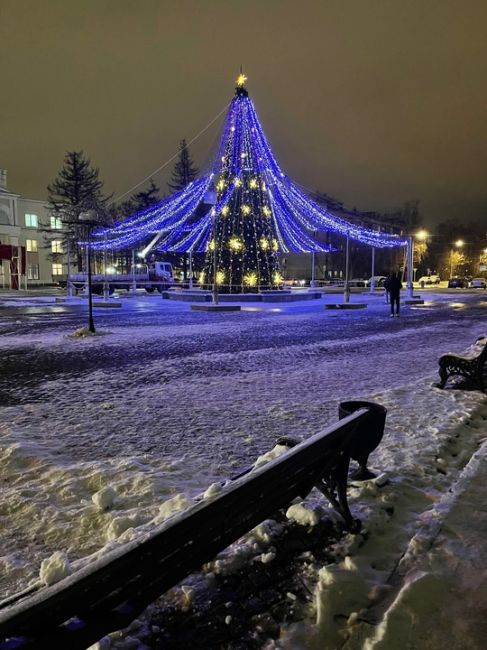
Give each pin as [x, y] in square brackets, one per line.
[375, 102]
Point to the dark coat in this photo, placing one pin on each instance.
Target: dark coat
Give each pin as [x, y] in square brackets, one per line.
[395, 286]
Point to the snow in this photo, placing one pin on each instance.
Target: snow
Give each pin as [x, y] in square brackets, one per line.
[94, 456]
[55, 568]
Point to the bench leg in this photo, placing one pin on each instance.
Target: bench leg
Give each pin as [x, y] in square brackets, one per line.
[333, 484]
[443, 377]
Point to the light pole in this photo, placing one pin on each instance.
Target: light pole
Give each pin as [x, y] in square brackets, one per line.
[191, 269]
[409, 276]
[372, 277]
[459, 243]
[215, 284]
[346, 290]
[313, 279]
[421, 236]
[89, 219]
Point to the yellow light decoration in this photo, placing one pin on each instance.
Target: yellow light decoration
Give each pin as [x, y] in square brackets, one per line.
[225, 210]
[241, 79]
[235, 244]
[266, 211]
[253, 183]
[211, 245]
[264, 186]
[238, 182]
[201, 279]
[264, 244]
[245, 209]
[277, 278]
[220, 277]
[275, 245]
[250, 279]
[220, 185]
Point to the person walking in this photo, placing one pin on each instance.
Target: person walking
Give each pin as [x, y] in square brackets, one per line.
[395, 286]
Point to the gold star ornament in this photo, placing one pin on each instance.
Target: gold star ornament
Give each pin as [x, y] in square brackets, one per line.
[241, 79]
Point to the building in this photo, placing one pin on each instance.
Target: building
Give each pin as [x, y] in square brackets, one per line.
[30, 253]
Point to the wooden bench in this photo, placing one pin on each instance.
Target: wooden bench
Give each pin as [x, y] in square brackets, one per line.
[109, 593]
[473, 368]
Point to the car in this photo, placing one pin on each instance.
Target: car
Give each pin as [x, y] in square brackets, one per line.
[478, 283]
[357, 282]
[457, 283]
[378, 281]
[429, 279]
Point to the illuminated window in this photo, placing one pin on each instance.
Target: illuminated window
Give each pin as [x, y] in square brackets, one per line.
[57, 246]
[57, 269]
[56, 223]
[31, 221]
[31, 246]
[32, 271]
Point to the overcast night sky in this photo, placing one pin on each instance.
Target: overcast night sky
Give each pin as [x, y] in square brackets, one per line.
[375, 102]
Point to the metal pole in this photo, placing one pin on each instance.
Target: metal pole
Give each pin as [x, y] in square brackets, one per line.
[88, 259]
[409, 276]
[134, 284]
[451, 262]
[191, 269]
[69, 286]
[346, 290]
[26, 267]
[313, 280]
[372, 277]
[215, 286]
[91, 324]
[106, 292]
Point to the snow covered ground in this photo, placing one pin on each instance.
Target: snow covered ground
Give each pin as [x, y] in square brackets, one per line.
[97, 434]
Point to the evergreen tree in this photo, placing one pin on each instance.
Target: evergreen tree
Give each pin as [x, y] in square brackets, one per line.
[76, 189]
[139, 201]
[244, 231]
[184, 171]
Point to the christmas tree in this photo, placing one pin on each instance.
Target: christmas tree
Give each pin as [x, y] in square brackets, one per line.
[243, 230]
[242, 214]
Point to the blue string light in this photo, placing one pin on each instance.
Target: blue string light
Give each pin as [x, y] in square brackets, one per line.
[244, 161]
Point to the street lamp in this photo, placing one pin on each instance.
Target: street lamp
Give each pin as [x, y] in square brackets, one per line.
[422, 235]
[89, 219]
[459, 243]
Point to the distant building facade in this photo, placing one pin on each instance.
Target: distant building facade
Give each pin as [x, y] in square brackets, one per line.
[30, 253]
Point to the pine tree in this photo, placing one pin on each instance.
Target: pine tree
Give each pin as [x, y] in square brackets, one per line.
[184, 171]
[244, 230]
[76, 189]
[139, 201]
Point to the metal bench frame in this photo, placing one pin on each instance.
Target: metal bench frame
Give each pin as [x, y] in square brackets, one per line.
[470, 368]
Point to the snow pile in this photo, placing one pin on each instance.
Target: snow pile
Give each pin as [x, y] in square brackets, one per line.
[54, 568]
[177, 504]
[302, 515]
[104, 498]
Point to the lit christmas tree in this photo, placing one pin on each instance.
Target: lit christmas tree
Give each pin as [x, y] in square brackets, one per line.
[255, 212]
[243, 228]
